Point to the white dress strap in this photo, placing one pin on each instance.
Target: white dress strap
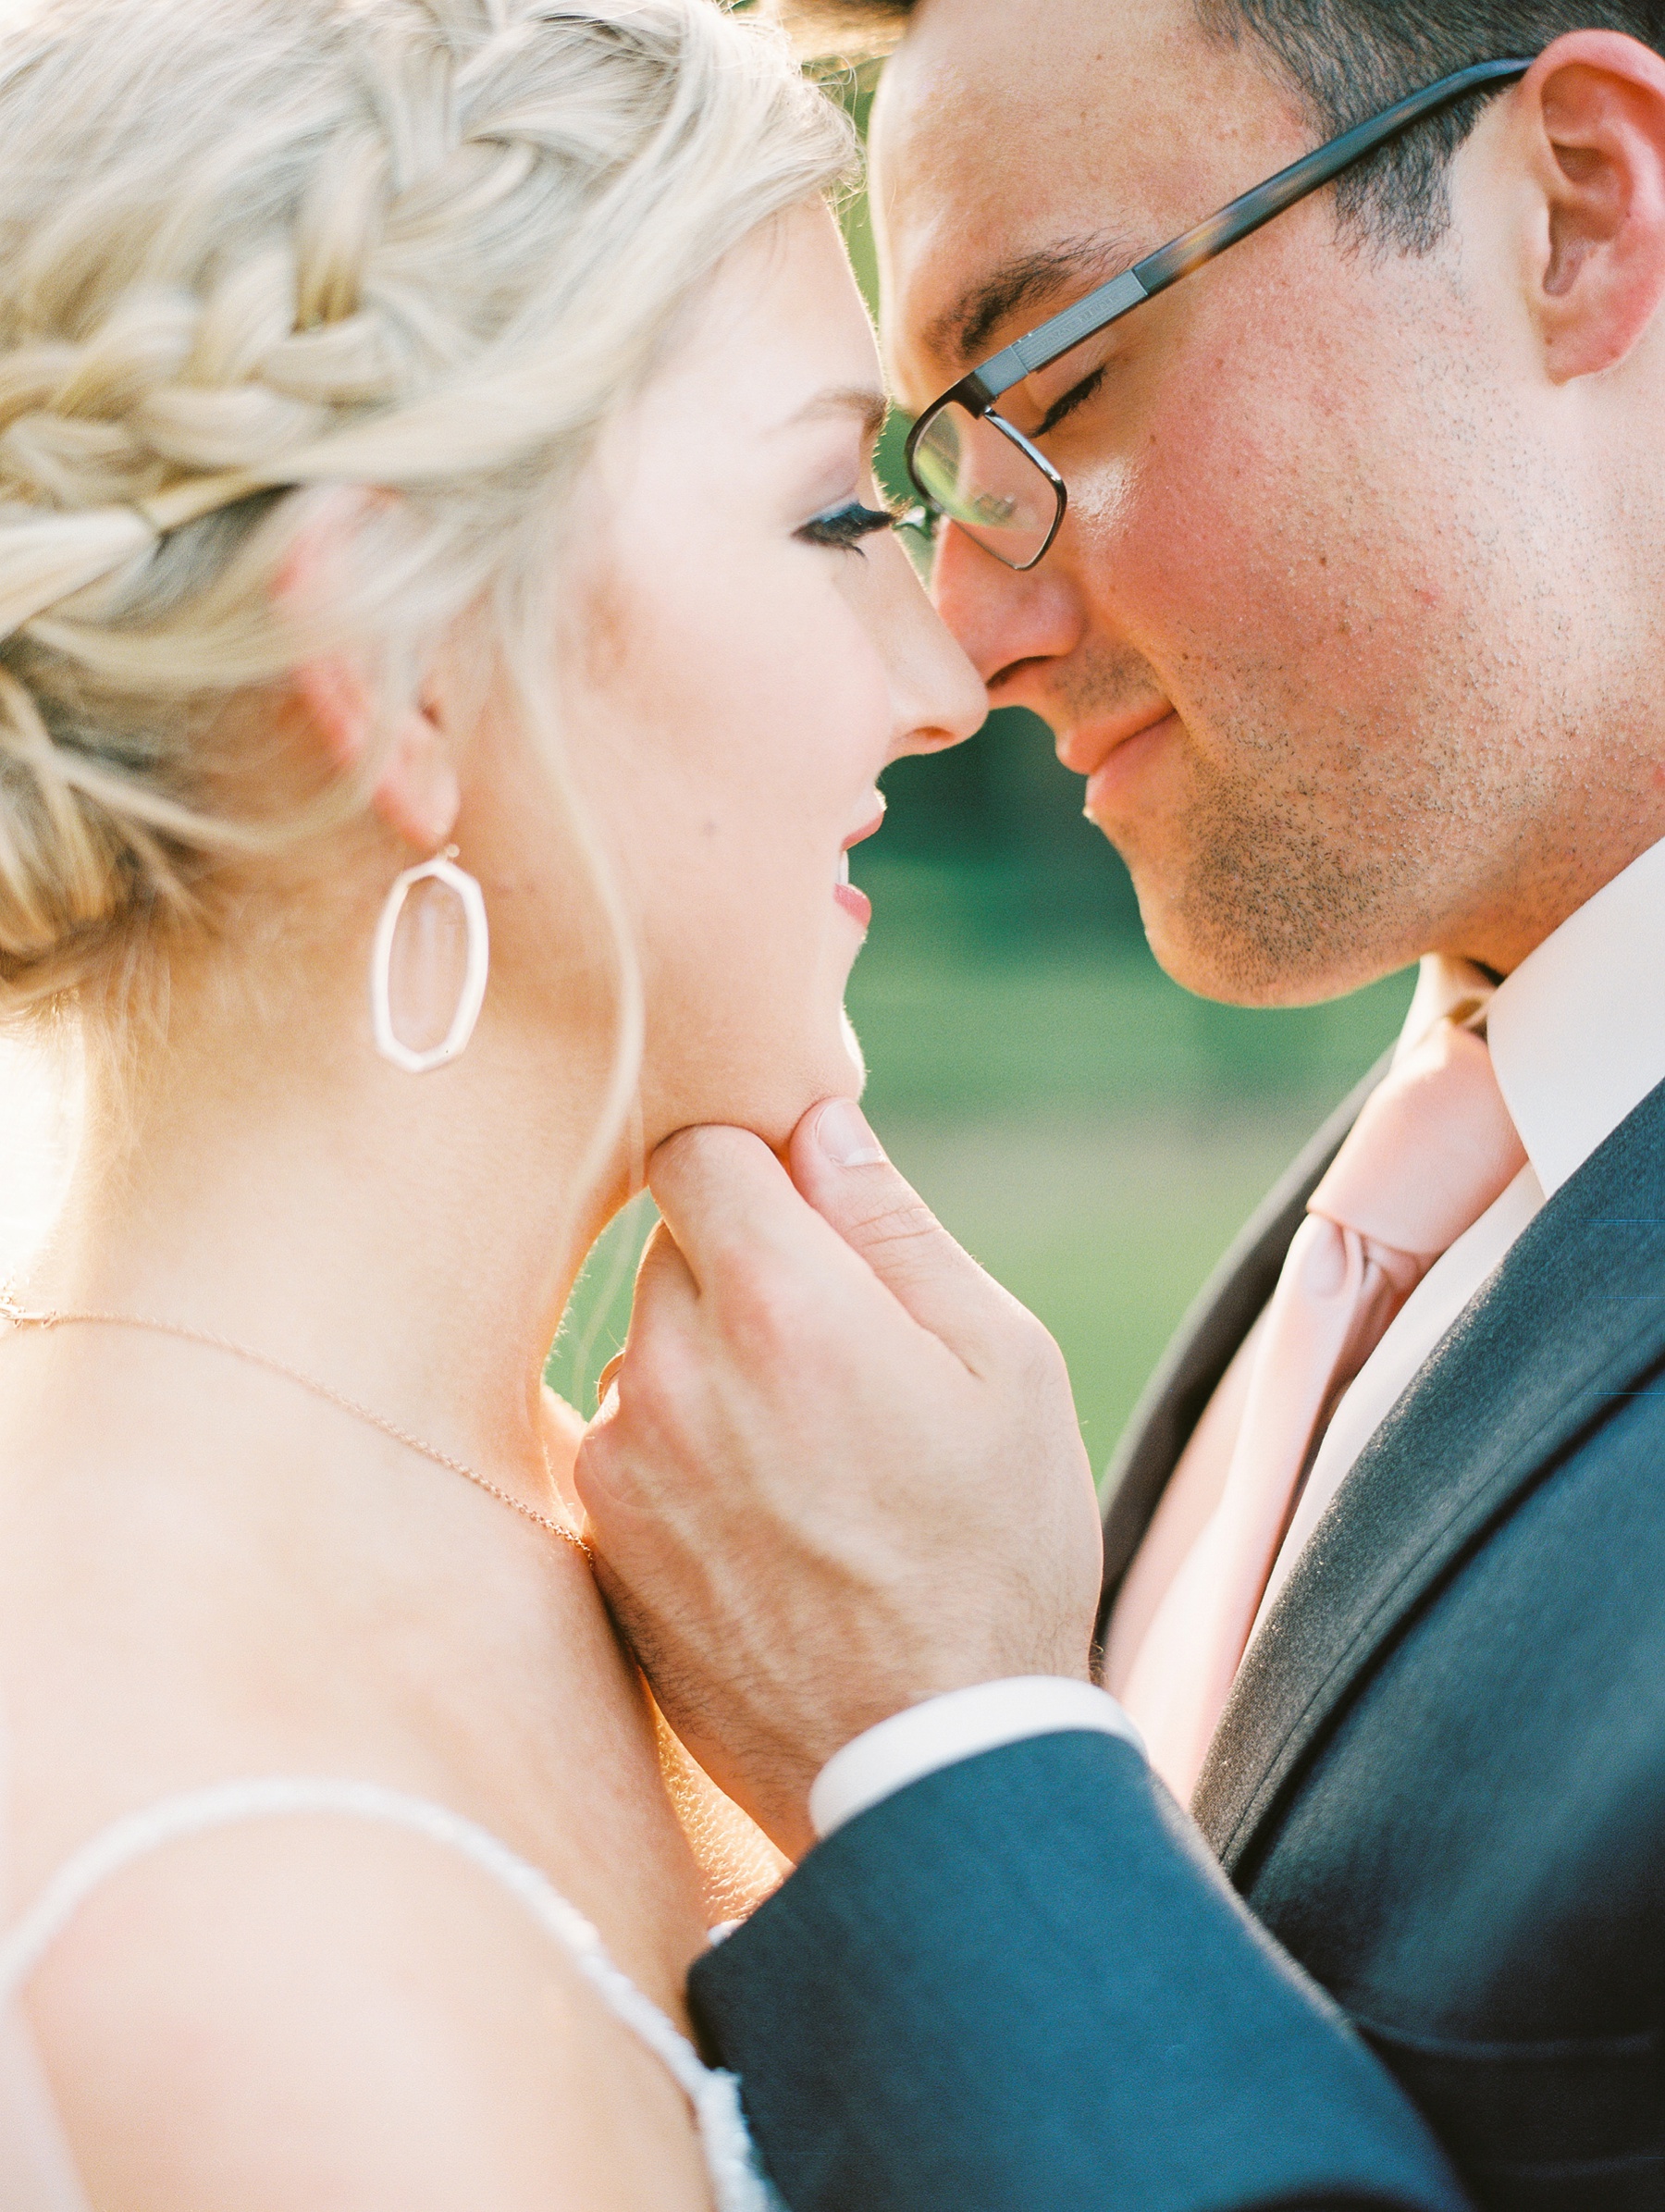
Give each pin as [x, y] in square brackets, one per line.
[714, 2093]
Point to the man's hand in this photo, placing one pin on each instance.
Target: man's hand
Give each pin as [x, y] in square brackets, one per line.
[838, 1469]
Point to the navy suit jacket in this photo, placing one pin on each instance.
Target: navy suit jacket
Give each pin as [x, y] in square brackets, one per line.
[1412, 1951]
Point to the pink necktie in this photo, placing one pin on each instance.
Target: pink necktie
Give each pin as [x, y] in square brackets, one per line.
[1431, 1151]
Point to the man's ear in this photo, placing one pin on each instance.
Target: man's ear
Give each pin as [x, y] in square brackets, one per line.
[1594, 109]
[416, 793]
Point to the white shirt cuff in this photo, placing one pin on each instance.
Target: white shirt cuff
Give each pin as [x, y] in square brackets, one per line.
[957, 1725]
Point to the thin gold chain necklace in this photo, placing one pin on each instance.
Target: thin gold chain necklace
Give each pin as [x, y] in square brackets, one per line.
[18, 1317]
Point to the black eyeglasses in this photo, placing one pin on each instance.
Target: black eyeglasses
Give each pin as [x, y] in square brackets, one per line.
[970, 467]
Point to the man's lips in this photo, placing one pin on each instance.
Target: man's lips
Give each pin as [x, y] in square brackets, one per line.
[1086, 747]
[1113, 778]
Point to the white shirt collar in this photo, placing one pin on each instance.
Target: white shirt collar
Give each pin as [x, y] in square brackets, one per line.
[1577, 1031]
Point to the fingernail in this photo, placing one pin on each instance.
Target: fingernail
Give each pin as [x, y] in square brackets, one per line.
[843, 1134]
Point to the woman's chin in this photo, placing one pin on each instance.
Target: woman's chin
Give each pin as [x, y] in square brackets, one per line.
[767, 1092]
[842, 1074]
[775, 1110]
[853, 1055]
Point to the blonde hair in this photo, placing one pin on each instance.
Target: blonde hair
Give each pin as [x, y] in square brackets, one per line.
[249, 248]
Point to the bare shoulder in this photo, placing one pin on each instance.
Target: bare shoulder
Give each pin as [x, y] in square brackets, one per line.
[323, 2013]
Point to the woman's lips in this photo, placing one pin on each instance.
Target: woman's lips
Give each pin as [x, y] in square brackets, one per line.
[854, 902]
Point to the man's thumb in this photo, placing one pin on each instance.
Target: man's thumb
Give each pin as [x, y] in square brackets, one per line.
[841, 1169]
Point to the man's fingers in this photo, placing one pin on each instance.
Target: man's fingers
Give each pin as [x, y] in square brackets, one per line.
[664, 1279]
[841, 1169]
[757, 1243]
[664, 1289]
[738, 1222]
[722, 1193]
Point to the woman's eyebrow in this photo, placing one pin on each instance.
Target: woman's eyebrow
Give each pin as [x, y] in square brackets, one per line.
[866, 402]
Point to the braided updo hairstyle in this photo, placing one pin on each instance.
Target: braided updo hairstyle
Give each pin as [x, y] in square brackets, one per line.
[249, 248]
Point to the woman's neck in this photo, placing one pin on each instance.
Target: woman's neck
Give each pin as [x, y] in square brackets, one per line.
[408, 1242]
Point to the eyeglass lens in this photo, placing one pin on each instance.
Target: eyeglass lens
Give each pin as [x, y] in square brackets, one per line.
[968, 468]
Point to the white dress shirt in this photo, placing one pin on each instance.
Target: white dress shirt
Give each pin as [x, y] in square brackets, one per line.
[1577, 1044]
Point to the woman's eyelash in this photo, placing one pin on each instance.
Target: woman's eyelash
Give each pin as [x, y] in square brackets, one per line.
[848, 525]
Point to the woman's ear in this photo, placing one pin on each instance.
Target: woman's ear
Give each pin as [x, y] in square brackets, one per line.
[417, 793]
[1594, 113]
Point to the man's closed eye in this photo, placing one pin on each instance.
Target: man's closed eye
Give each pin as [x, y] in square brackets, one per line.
[1077, 396]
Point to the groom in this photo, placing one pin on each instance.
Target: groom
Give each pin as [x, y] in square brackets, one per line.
[1355, 624]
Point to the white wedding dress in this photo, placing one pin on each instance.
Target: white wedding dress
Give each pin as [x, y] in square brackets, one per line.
[37, 2173]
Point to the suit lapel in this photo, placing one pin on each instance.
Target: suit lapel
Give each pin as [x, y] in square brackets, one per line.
[1572, 1318]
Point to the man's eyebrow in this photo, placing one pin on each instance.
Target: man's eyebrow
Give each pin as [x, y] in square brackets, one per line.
[961, 332]
[866, 402]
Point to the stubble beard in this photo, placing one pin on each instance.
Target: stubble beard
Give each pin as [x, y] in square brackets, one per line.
[1264, 899]
[1285, 866]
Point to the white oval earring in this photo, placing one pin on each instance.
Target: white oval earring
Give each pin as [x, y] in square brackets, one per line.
[442, 869]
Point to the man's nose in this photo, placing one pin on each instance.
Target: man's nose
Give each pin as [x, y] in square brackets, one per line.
[1002, 616]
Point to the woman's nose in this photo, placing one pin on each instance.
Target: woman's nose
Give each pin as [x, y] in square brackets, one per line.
[946, 703]
[937, 697]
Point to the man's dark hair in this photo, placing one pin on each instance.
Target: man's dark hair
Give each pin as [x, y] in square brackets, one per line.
[1346, 59]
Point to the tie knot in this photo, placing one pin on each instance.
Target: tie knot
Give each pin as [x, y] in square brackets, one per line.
[1431, 1149]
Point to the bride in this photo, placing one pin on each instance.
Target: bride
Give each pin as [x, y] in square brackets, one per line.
[451, 637]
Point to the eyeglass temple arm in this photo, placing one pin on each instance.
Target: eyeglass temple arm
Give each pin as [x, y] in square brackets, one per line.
[1213, 235]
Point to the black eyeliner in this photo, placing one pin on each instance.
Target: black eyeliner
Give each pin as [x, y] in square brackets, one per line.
[846, 525]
